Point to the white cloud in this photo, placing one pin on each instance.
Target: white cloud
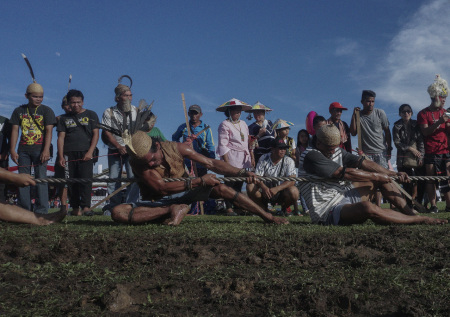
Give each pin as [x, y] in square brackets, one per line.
[416, 54]
[58, 54]
[345, 47]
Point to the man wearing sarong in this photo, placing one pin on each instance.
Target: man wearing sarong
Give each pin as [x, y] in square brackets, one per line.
[345, 199]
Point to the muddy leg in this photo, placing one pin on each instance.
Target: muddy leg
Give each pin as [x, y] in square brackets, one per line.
[121, 213]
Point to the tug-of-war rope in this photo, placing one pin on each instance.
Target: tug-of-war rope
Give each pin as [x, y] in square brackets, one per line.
[221, 179]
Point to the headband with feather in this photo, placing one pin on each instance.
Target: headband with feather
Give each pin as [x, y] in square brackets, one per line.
[34, 87]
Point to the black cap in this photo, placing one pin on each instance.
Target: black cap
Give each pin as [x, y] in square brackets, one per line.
[279, 143]
[195, 108]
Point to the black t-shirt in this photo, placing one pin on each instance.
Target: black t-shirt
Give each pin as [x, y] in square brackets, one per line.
[33, 131]
[5, 134]
[78, 137]
[316, 163]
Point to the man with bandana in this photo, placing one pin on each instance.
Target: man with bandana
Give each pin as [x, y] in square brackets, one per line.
[434, 125]
[36, 122]
[347, 183]
[122, 117]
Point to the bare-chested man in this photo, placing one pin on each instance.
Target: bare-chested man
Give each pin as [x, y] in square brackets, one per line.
[152, 161]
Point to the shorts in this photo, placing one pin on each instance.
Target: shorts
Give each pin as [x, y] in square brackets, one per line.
[351, 197]
[440, 164]
[439, 161]
[380, 159]
[187, 197]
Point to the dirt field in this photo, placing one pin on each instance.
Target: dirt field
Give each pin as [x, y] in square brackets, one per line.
[223, 266]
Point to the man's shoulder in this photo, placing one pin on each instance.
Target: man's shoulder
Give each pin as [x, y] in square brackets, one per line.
[182, 126]
[21, 108]
[108, 111]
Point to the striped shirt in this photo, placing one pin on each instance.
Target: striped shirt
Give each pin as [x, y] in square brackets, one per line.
[322, 195]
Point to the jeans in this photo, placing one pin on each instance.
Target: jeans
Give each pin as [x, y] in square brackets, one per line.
[26, 159]
[115, 163]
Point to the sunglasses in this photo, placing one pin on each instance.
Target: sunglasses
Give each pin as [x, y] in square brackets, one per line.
[406, 111]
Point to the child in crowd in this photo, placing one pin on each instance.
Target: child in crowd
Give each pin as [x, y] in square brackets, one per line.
[282, 128]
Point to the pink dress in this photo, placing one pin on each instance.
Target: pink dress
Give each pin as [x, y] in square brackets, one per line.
[230, 142]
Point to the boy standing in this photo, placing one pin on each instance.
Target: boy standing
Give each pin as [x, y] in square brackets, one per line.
[36, 122]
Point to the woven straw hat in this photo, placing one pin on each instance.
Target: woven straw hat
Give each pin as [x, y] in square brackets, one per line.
[259, 107]
[329, 135]
[233, 103]
[138, 145]
[281, 124]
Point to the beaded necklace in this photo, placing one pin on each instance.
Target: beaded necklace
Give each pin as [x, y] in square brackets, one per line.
[240, 131]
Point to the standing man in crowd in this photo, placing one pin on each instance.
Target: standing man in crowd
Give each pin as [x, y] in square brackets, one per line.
[434, 124]
[275, 164]
[122, 117]
[203, 143]
[336, 113]
[5, 134]
[375, 133]
[36, 122]
[77, 139]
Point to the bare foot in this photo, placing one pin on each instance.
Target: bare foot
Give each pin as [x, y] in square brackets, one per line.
[177, 213]
[48, 219]
[434, 221]
[76, 212]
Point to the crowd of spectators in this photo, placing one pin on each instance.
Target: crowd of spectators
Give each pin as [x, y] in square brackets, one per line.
[263, 147]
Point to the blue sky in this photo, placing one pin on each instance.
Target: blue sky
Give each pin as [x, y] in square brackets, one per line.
[293, 56]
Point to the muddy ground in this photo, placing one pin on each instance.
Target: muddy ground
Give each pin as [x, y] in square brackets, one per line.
[204, 268]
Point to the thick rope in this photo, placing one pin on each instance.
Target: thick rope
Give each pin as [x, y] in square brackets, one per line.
[221, 179]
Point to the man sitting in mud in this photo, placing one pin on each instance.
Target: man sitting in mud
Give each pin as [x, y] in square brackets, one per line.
[11, 213]
[152, 161]
[342, 202]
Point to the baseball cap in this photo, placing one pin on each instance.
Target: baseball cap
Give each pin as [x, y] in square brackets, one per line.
[279, 143]
[337, 105]
[195, 108]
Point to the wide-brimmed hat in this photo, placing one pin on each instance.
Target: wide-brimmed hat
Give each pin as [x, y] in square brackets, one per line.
[234, 103]
[259, 107]
[281, 124]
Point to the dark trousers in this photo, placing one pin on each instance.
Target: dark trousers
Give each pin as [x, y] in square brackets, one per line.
[80, 193]
[418, 171]
[3, 164]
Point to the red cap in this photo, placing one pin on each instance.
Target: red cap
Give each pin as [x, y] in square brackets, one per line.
[337, 105]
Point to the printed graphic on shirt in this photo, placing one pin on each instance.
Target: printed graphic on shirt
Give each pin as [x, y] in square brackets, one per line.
[70, 123]
[32, 134]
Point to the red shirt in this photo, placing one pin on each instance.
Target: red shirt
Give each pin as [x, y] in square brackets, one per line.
[435, 143]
